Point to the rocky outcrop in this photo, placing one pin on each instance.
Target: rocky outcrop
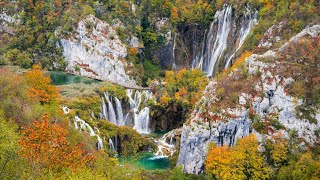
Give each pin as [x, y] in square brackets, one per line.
[96, 51]
[6, 23]
[225, 126]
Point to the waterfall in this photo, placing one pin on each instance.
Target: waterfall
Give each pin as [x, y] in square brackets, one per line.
[111, 146]
[165, 149]
[87, 128]
[173, 54]
[120, 119]
[217, 41]
[138, 112]
[104, 109]
[112, 114]
[247, 24]
[141, 117]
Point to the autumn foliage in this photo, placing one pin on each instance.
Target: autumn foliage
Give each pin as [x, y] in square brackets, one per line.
[45, 146]
[40, 87]
[184, 86]
[243, 161]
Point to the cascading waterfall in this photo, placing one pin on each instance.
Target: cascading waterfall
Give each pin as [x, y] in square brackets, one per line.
[165, 149]
[141, 117]
[216, 42]
[247, 24]
[82, 125]
[139, 114]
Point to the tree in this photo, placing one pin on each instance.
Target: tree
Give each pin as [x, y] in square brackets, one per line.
[243, 161]
[41, 88]
[46, 148]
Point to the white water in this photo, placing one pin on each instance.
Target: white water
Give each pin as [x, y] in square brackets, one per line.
[247, 24]
[141, 117]
[112, 114]
[82, 125]
[174, 67]
[138, 112]
[120, 119]
[216, 41]
[165, 149]
[104, 109]
[111, 145]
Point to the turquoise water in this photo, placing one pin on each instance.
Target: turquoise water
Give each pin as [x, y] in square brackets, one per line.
[62, 78]
[148, 161]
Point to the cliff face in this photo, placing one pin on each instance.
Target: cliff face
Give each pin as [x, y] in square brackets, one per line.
[272, 106]
[95, 51]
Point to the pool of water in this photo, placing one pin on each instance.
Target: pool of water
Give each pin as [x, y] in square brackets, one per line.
[148, 161]
[62, 78]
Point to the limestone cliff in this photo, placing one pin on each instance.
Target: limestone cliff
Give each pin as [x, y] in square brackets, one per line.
[96, 51]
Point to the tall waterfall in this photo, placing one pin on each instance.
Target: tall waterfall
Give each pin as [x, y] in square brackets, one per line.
[137, 111]
[247, 24]
[174, 66]
[82, 125]
[216, 41]
[215, 49]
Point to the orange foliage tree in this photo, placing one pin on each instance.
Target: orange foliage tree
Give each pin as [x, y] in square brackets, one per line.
[46, 148]
[243, 161]
[40, 85]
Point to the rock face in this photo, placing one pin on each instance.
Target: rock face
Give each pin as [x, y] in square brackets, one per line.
[195, 140]
[274, 102]
[95, 51]
[6, 23]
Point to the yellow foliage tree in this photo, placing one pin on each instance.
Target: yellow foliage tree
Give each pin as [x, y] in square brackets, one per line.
[243, 161]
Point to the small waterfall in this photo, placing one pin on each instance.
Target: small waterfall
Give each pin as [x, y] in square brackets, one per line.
[87, 128]
[104, 109]
[65, 110]
[120, 118]
[165, 149]
[111, 145]
[247, 24]
[141, 118]
[112, 114]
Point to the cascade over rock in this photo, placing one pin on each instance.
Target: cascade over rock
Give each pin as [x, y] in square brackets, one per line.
[96, 52]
